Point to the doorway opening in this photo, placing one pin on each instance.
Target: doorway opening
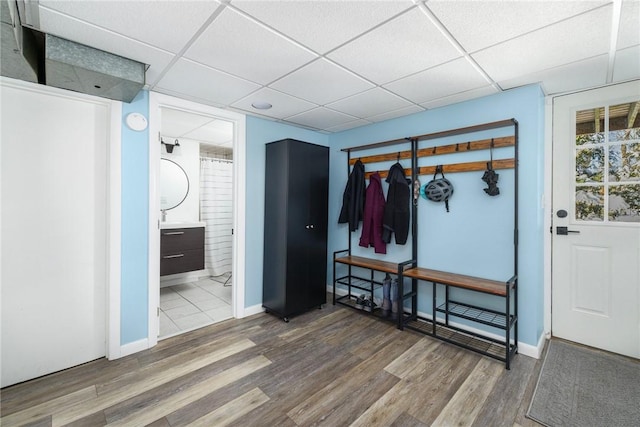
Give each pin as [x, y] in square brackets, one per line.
[196, 193]
[196, 200]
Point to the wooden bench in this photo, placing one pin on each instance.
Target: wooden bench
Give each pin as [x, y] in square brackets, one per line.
[354, 281]
[458, 280]
[471, 338]
[372, 264]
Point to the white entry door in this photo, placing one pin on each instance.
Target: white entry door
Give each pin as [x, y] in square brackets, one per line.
[596, 218]
[54, 230]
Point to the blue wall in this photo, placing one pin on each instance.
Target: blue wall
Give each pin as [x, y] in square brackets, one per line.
[135, 225]
[260, 132]
[475, 237]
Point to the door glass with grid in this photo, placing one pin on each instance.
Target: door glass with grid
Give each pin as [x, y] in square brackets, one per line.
[607, 157]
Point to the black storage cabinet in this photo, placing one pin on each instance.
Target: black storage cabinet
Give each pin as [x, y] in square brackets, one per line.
[295, 227]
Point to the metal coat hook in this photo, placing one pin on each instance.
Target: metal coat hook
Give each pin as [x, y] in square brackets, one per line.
[491, 153]
[398, 158]
[468, 145]
[457, 147]
[434, 150]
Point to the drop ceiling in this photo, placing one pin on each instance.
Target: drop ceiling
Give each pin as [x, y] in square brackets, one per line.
[335, 65]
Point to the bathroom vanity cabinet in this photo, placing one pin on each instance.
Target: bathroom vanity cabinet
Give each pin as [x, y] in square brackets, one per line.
[181, 249]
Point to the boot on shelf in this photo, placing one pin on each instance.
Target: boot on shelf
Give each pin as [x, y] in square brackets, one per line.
[386, 296]
[394, 298]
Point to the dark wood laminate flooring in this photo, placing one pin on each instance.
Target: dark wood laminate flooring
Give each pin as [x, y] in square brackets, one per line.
[332, 367]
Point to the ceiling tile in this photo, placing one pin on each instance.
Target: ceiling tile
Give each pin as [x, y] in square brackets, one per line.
[197, 81]
[218, 132]
[396, 113]
[447, 79]
[582, 37]
[349, 125]
[234, 44]
[321, 82]
[283, 105]
[575, 76]
[72, 29]
[168, 25]
[629, 32]
[479, 24]
[322, 25]
[369, 103]
[460, 97]
[627, 64]
[176, 123]
[403, 46]
[321, 118]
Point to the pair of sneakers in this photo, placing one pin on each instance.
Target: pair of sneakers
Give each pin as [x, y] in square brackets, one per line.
[363, 302]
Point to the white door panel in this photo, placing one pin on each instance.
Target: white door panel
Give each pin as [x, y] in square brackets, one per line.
[596, 198]
[54, 231]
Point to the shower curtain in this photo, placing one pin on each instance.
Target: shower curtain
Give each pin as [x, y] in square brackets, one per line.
[216, 211]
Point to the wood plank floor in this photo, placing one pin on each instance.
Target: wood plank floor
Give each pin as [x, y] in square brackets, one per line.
[332, 367]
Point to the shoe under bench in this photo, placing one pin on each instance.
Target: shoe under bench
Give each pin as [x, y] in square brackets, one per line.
[357, 283]
[445, 323]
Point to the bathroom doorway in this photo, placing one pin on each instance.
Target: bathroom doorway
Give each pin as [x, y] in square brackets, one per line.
[195, 193]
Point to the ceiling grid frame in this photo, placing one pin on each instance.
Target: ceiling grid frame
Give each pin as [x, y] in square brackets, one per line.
[300, 25]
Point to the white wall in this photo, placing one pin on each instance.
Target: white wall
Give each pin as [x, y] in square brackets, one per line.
[187, 155]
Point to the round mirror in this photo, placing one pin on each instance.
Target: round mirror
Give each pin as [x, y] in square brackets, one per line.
[174, 184]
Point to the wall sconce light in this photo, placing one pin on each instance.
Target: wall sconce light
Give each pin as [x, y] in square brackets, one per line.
[170, 146]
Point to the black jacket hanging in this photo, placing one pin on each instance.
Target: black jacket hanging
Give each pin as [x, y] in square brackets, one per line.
[353, 198]
[396, 211]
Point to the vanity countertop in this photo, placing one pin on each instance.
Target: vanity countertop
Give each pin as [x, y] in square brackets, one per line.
[181, 224]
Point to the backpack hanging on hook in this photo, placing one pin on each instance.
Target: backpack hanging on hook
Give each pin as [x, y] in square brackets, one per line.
[491, 177]
[438, 189]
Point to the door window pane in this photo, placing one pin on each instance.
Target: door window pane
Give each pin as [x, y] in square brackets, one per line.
[624, 203]
[590, 126]
[624, 122]
[624, 162]
[590, 203]
[607, 153]
[590, 165]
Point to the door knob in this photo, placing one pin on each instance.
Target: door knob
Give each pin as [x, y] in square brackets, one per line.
[563, 231]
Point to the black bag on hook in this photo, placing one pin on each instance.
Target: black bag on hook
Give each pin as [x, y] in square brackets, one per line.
[491, 178]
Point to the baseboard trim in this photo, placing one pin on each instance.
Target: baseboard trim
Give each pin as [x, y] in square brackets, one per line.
[525, 349]
[180, 278]
[534, 351]
[254, 309]
[134, 347]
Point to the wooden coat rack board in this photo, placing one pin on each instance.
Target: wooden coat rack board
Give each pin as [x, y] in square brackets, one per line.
[481, 144]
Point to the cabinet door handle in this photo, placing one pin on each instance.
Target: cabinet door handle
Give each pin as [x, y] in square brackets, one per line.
[173, 233]
[173, 256]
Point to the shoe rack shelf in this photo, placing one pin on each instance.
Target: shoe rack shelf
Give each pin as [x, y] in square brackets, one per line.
[446, 316]
[357, 284]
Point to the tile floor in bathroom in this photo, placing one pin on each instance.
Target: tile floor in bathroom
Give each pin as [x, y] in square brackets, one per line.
[189, 306]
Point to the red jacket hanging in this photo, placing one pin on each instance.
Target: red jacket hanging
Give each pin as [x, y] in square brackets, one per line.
[373, 214]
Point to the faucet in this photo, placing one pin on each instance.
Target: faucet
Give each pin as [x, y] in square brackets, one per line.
[164, 215]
